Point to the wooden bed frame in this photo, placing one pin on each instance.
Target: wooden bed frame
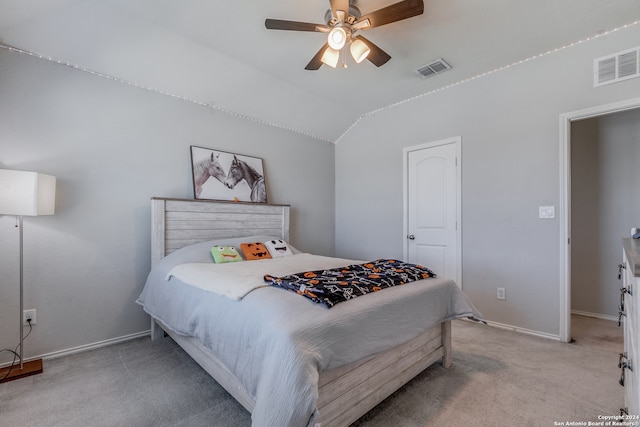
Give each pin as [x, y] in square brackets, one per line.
[177, 223]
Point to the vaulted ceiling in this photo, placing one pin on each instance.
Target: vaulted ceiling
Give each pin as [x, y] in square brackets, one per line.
[219, 53]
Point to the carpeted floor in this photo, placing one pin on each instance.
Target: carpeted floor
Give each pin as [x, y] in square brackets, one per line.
[498, 378]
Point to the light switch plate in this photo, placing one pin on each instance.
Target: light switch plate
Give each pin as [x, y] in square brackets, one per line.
[546, 212]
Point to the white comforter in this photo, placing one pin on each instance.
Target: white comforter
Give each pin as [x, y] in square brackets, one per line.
[235, 280]
[277, 342]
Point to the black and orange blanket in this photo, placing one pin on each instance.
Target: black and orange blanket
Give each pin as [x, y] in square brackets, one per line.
[332, 286]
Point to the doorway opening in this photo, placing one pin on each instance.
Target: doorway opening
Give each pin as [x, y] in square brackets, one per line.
[565, 201]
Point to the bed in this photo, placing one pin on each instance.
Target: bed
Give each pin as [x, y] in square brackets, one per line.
[295, 367]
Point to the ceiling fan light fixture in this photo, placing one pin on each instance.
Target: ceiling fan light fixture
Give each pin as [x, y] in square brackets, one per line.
[359, 50]
[330, 57]
[343, 21]
[337, 38]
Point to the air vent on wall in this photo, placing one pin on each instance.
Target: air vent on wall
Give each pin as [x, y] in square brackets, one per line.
[432, 68]
[617, 67]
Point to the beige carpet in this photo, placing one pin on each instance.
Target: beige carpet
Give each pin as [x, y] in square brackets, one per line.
[498, 378]
[503, 378]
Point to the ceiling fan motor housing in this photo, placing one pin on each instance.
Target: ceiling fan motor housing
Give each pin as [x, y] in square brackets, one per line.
[354, 15]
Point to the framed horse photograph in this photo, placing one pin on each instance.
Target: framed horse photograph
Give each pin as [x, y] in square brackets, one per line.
[219, 175]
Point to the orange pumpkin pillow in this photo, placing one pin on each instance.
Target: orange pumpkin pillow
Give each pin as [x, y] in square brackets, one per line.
[254, 250]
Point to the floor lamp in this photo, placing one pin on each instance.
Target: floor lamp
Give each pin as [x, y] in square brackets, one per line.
[31, 194]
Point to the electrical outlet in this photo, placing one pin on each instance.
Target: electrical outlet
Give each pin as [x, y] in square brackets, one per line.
[29, 315]
[501, 293]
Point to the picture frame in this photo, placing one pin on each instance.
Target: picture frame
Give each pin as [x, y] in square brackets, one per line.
[221, 175]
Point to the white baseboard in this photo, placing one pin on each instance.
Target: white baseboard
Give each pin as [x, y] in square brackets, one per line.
[520, 330]
[87, 347]
[544, 334]
[596, 315]
[93, 346]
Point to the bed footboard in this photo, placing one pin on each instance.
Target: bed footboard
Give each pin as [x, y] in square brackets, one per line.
[368, 382]
[364, 383]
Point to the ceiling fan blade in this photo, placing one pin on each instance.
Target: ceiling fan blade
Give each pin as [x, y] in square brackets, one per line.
[377, 56]
[342, 5]
[396, 12]
[316, 61]
[279, 24]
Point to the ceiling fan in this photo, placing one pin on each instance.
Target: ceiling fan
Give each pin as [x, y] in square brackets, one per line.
[344, 20]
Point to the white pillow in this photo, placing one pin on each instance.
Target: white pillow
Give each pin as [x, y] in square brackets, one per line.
[278, 248]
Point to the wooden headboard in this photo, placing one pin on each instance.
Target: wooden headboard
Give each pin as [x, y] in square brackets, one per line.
[176, 223]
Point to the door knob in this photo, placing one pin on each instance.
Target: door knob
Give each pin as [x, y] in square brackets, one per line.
[411, 237]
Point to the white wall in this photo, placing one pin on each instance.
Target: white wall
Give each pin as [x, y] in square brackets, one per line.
[112, 147]
[605, 205]
[509, 124]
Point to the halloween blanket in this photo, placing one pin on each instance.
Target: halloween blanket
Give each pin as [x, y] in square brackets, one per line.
[332, 286]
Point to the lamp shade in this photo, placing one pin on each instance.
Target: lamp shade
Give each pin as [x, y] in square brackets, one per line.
[359, 50]
[26, 193]
[330, 57]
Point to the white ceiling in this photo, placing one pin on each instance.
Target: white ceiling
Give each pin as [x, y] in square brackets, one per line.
[220, 53]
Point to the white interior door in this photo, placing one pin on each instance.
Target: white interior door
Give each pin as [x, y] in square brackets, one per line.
[432, 217]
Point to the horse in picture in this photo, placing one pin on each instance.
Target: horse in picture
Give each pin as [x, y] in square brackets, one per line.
[240, 170]
[209, 167]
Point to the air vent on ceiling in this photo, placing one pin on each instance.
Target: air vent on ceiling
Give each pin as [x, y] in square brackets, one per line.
[432, 68]
[617, 67]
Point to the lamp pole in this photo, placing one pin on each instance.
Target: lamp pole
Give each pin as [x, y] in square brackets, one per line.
[21, 296]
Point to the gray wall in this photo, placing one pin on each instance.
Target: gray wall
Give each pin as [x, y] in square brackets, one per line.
[509, 124]
[605, 204]
[112, 147]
